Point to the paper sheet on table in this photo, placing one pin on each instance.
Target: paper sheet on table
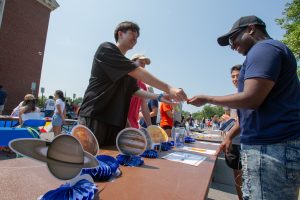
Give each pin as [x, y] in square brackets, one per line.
[199, 150]
[186, 158]
[210, 143]
[208, 135]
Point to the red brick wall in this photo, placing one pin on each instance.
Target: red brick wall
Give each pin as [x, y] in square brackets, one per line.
[23, 35]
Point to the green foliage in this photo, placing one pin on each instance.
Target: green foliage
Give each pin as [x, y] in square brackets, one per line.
[185, 114]
[208, 111]
[78, 100]
[291, 23]
[219, 110]
[41, 102]
[197, 115]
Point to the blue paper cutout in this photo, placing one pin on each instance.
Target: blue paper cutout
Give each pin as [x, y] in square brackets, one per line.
[132, 161]
[171, 143]
[108, 166]
[150, 154]
[165, 146]
[189, 140]
[82, 190]
[109, 160]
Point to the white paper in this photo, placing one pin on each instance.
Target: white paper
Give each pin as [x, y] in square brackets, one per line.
[208, 135]
[199, 150]
[186, 158]
[210, 143]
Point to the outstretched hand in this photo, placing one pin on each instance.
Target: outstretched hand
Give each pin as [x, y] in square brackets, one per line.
[177, 93]
[225, 146]
[170, 102]
[198, 100]
[167, 99]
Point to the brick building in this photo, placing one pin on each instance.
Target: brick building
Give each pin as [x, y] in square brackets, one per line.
[23, 32]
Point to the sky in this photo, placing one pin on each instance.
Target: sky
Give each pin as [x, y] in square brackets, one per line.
[180, 38]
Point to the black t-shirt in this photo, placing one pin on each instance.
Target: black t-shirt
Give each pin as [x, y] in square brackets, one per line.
[107, 97]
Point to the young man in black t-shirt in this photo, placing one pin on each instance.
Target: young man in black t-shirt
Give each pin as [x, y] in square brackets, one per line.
[231, 144]
[112, 83]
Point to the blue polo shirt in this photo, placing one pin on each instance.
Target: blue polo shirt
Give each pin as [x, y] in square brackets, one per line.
[278, 117]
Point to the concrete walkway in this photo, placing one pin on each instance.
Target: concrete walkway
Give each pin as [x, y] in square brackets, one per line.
[222, 186]
[220, 191]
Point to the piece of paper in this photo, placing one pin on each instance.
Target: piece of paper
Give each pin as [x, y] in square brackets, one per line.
[208, 135]
[186, 158]
[210, 143]
[199, 150]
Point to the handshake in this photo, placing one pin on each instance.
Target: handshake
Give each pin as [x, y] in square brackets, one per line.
[178, 95]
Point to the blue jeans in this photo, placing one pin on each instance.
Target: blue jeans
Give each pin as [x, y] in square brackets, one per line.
[272, 171]
[57, 120]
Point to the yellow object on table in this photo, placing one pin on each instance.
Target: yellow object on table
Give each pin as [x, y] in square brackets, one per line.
[157, 134]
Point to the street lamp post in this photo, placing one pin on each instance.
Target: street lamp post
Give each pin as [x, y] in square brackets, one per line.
[33, 87]
[42, 91]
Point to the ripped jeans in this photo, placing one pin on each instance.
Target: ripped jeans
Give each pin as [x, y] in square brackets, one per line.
[271, 171]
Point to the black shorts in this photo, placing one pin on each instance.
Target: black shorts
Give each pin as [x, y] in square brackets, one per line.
[232, 158]
[106, 134]
[166, 127]
[177, 124]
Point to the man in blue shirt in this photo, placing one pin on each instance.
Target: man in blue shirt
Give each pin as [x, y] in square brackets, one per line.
[268, 103]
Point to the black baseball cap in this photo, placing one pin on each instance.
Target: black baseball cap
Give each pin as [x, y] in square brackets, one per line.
[240, 23]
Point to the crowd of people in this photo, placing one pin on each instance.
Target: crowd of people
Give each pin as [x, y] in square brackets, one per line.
[55, 107]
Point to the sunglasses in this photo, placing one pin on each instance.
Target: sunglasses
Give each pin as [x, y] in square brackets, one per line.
[234, 36]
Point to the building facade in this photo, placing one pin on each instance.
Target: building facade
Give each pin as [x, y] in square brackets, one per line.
[23, 33]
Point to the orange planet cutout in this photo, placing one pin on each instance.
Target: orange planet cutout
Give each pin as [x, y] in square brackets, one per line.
[86, 138]
[157, 134]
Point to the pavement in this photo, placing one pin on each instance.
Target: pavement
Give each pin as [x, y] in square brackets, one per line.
[220, 191]
[222, 185]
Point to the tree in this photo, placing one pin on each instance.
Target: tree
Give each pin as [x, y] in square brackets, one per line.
[219, 110]
[208, 111]
[185, 114]
[198, 115]
[78, 100]
[41, 102]
[291, 23]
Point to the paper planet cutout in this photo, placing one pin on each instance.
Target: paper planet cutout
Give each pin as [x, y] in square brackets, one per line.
[132, 141]
[86, 138]
[157, 134]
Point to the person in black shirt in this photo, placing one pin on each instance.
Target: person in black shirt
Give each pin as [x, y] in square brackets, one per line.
[190, 120]
[112, 83]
